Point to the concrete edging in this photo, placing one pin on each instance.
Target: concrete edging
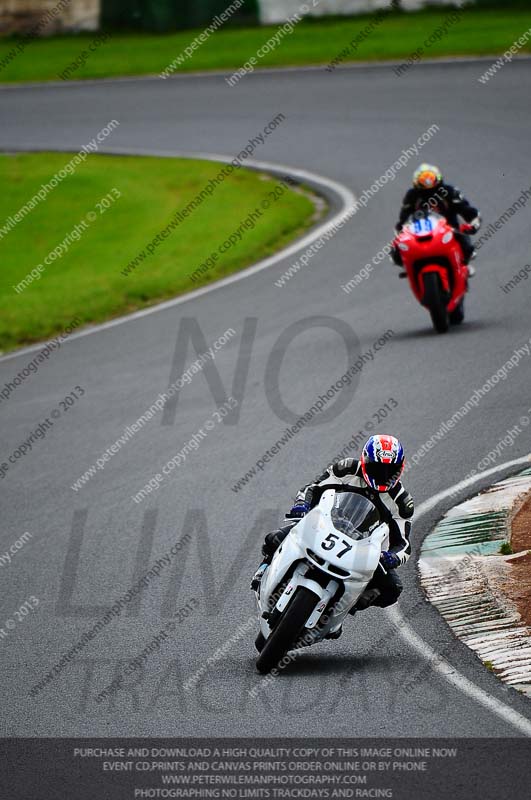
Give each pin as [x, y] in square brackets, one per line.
[460, 569]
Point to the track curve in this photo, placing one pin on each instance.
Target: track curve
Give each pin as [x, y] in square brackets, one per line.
[350, 126]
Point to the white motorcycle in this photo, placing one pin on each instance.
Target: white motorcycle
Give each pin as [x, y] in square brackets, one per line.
[318, 573]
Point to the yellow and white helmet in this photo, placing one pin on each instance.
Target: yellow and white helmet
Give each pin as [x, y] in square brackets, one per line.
[427, 176]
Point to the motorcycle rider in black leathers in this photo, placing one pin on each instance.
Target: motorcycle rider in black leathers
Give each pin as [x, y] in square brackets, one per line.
[430, 193]
[377, 475]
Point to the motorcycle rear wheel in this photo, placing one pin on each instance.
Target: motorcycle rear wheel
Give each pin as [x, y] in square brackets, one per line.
[435, 303]
[286, 634]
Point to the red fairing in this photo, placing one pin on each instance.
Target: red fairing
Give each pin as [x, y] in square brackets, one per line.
[429, 245]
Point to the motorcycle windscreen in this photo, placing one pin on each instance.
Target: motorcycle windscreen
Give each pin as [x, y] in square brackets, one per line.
[354, 515]
[423, 224]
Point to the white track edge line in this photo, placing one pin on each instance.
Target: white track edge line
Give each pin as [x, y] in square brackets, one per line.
[347, 198]
[444, 668]
[349, 201]
[218, 73]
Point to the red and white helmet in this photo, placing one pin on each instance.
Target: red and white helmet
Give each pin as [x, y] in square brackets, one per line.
[382, 462]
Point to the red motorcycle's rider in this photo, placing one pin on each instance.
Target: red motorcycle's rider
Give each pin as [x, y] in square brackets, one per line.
[377, 475]
[430, 193]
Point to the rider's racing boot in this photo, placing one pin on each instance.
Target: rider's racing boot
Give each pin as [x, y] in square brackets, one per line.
[258, 575]
[365, 600]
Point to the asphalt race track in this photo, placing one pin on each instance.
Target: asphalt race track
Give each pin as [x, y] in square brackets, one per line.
[349, 126]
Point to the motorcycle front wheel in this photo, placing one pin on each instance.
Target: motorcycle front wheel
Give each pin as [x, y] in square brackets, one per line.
[286, 634]
[435, 302]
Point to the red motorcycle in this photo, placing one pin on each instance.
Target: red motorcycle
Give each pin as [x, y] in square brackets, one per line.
[434, 264]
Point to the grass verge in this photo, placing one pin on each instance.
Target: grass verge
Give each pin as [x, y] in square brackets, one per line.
[478, 32]
[105, 215]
